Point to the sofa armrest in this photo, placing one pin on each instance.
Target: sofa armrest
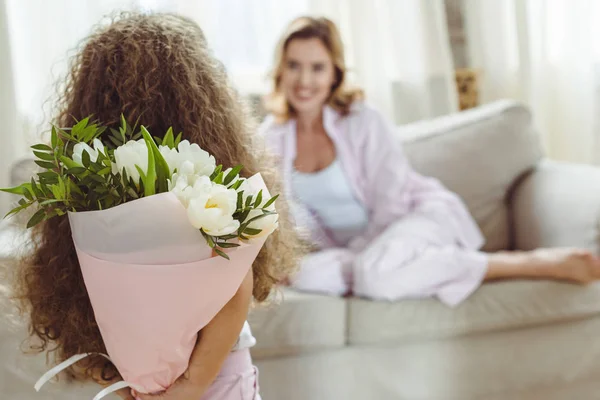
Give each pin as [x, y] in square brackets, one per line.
[557, 204]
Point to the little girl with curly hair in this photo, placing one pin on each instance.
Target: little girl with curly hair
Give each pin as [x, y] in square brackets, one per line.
[156, 68]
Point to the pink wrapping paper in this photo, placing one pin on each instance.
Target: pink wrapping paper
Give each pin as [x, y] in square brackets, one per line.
[153, 284]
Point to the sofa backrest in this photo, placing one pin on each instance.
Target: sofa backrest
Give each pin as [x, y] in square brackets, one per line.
[480, 154]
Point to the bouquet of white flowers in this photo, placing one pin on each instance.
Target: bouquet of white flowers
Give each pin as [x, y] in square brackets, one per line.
[83, 173]
[157, 226]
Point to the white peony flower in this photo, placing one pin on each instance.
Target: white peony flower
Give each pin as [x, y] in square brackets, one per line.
[204, 163]
[266, 224]
[171, 156]
[79, 148]
[131, 154]
[211, 208]
[179, 185]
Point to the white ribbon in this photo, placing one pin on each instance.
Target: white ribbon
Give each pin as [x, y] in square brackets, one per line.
[76, 358]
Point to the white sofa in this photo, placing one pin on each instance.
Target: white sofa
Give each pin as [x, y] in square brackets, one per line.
[517, 340]
[511, 340]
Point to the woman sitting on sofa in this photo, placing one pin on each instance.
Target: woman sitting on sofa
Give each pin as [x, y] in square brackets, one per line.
[380, 229]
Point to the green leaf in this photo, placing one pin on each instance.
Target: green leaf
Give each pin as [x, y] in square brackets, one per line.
[216, 172]
[79, 129]
[17, 209]
[220, 253]
[161, 166]
[56, 191]
[150, 181]
[36, 218]
[99, 131]
[209, 240]
[105, 171]
[42, 147]
[252, 231]
[248, 201]
[240, 199]
[232, 174]
[28, 195]
[237, 184]
[169, 139]
[51, 201]
[76, 171]
[62, 188]
[36, 191]
[258, 199]
[44, 156]
[219, 178]
[97, 178]
[115, 141]
[47, 174]
[54, 138]
[178, 139]
[69, 163]
[20, 190]
[74, 188]
[85, 159]
[90, 133]
[45, 164]
[226, 245]
[246, 223]
[143, 177]
[271, 201]
[228, 237]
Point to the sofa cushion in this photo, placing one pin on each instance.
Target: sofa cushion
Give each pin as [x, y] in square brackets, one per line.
[299, 322]
[494, 307]
[558, 204]
[479, 154]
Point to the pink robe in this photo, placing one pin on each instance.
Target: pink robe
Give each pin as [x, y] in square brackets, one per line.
[420, 241]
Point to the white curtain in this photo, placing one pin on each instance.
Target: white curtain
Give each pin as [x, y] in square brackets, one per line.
[9, 134]
[544, 53]
[397, 50]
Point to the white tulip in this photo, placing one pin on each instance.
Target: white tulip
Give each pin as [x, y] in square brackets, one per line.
[211, 208]
[131, 154]
[79, 148]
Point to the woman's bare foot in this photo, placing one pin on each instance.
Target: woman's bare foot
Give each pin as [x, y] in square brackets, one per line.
[574, 265]
[564, 264]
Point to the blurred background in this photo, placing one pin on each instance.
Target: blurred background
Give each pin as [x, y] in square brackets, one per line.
[406, 54]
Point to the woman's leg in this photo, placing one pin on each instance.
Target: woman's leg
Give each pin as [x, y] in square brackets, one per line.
[564, 264]
[418, 256]
[326, 271]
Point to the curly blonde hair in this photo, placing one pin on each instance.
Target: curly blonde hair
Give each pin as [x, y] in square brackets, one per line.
[156, 67]
[341, 97]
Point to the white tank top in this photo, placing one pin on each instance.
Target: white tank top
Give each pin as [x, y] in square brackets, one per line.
[329, 195]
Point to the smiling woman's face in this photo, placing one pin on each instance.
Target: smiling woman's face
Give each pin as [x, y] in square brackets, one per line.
[308, 75]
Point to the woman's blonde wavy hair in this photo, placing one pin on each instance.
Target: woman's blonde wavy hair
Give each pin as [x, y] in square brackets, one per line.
[341, 97]
[158, 68]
